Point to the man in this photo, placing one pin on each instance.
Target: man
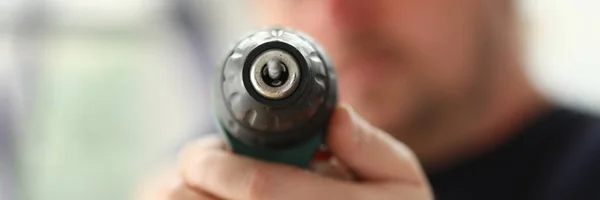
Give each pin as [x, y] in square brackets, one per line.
[442, 79]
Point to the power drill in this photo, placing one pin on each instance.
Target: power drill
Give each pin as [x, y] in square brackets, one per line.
[275, 93]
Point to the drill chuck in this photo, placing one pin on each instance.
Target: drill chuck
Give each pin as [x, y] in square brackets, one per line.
[275, 93]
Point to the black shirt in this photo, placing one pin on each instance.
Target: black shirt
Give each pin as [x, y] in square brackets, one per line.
[557, 156]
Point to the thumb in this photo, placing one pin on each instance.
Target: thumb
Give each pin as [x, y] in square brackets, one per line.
[373, 155]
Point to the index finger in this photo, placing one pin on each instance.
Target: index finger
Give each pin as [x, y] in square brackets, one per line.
[232, 176]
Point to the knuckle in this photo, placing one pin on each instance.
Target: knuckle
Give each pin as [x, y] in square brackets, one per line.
[202, 144]
[406, 153]
[197, 171]
[194, 158]
[205, 163]
[258, 183]
[188, 151]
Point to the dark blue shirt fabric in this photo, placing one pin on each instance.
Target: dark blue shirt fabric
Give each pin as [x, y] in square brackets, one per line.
[557, 156]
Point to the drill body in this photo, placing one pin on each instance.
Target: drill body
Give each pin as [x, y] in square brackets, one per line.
[275, 92]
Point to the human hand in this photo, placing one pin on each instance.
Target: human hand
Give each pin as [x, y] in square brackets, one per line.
[383, 168]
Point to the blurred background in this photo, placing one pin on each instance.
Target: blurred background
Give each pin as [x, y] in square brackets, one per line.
[92, 93]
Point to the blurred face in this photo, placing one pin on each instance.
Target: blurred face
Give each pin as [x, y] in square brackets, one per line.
[407, 66]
